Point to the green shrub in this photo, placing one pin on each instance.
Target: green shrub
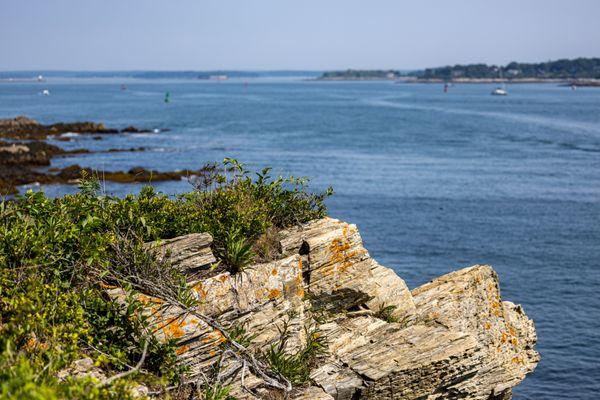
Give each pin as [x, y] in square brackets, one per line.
[58, 255]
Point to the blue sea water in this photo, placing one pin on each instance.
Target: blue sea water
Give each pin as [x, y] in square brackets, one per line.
[434, 181]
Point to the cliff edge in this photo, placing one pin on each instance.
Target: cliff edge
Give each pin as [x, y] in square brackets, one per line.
[451, 338]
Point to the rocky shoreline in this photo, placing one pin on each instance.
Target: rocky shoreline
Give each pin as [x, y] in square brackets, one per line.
[24, 149]
[451, 338]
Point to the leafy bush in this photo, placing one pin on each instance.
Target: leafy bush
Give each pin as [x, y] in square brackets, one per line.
[58, 255]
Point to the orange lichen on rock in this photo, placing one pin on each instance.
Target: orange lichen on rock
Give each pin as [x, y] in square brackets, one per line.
[274, 272]
[220, 338]
[143, 298]
[517, 360]
[338, 249]
[198, 288]
[172, 328]
[182, 349]
[274, 293]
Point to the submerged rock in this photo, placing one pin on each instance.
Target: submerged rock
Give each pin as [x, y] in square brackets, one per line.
[26, 128]
[27, 149]
[451, 338]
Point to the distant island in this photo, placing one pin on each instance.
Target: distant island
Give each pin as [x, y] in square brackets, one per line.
[359, 75]
[579, 71]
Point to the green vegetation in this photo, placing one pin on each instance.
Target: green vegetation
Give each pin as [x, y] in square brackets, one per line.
[386, 313]
[216, 392]
[236, 252]
[57, 257]
[580, 68]
[238, 334]
[295, 367]
[354, 74]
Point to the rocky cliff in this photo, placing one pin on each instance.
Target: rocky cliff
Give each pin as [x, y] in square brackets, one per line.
[451, 338]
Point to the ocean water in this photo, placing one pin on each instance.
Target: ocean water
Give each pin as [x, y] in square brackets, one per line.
[434, 181]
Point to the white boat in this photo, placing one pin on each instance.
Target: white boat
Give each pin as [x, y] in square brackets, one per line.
[46, 92]
[500, 90]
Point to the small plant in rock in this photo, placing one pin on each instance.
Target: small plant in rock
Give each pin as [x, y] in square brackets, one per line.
[216, 392]
[386, 313]
[240, 335]
[235, 252]
[296, 367]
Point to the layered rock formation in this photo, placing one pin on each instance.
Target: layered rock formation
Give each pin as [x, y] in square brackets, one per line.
[451, 338]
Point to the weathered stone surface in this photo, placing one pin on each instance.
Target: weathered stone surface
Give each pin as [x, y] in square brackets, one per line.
[455, 337]
[85, 368]
[337, 261]
[259, 299]
[469, 301]
[311, 393]
[189, 253]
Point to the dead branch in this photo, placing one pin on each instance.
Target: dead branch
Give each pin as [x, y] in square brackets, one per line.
[150, 275]
[137, 367]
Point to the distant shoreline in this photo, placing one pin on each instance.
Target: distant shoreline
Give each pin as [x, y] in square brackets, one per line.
[410, 79]
[564, 82]
[574, 72]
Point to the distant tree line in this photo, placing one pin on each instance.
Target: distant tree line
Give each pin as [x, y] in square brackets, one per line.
[361, 74]
[579, 68]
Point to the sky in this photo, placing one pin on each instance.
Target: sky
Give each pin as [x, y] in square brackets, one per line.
[294, 35]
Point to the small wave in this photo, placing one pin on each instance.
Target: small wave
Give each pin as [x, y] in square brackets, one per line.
[69, 134]
[568, 126]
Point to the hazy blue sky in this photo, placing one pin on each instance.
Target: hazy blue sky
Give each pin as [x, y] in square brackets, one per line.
[282, 34]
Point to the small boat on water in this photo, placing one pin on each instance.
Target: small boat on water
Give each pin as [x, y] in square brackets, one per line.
[500, 90]
[46, 92]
